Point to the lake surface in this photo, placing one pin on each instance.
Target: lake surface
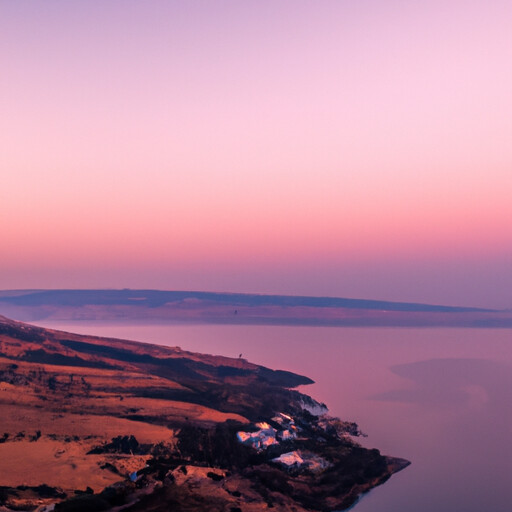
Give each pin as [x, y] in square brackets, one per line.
[441, 398]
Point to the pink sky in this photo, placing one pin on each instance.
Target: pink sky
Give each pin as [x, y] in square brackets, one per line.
[358, 149]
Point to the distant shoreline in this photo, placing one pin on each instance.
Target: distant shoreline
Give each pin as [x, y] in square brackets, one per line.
[178, 307]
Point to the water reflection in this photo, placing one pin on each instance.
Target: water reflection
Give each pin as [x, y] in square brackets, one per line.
[459, 383]
[458, 428]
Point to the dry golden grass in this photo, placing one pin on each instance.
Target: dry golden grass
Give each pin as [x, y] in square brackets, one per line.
[51, 428]
[59, 457]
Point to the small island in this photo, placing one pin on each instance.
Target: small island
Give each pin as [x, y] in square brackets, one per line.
[95, 424]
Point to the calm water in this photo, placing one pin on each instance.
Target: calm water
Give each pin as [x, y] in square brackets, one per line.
[441, 398]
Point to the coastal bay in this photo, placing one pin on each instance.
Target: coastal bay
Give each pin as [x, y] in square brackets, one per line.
[437, 397]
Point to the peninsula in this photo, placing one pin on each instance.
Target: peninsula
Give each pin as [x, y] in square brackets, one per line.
[96, 424]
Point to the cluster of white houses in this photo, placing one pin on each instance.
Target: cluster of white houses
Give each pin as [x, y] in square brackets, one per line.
[267, 436]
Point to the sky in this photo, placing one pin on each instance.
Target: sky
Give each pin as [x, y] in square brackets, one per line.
[356, 149]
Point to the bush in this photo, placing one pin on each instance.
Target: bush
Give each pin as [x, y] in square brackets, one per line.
[84, 503]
